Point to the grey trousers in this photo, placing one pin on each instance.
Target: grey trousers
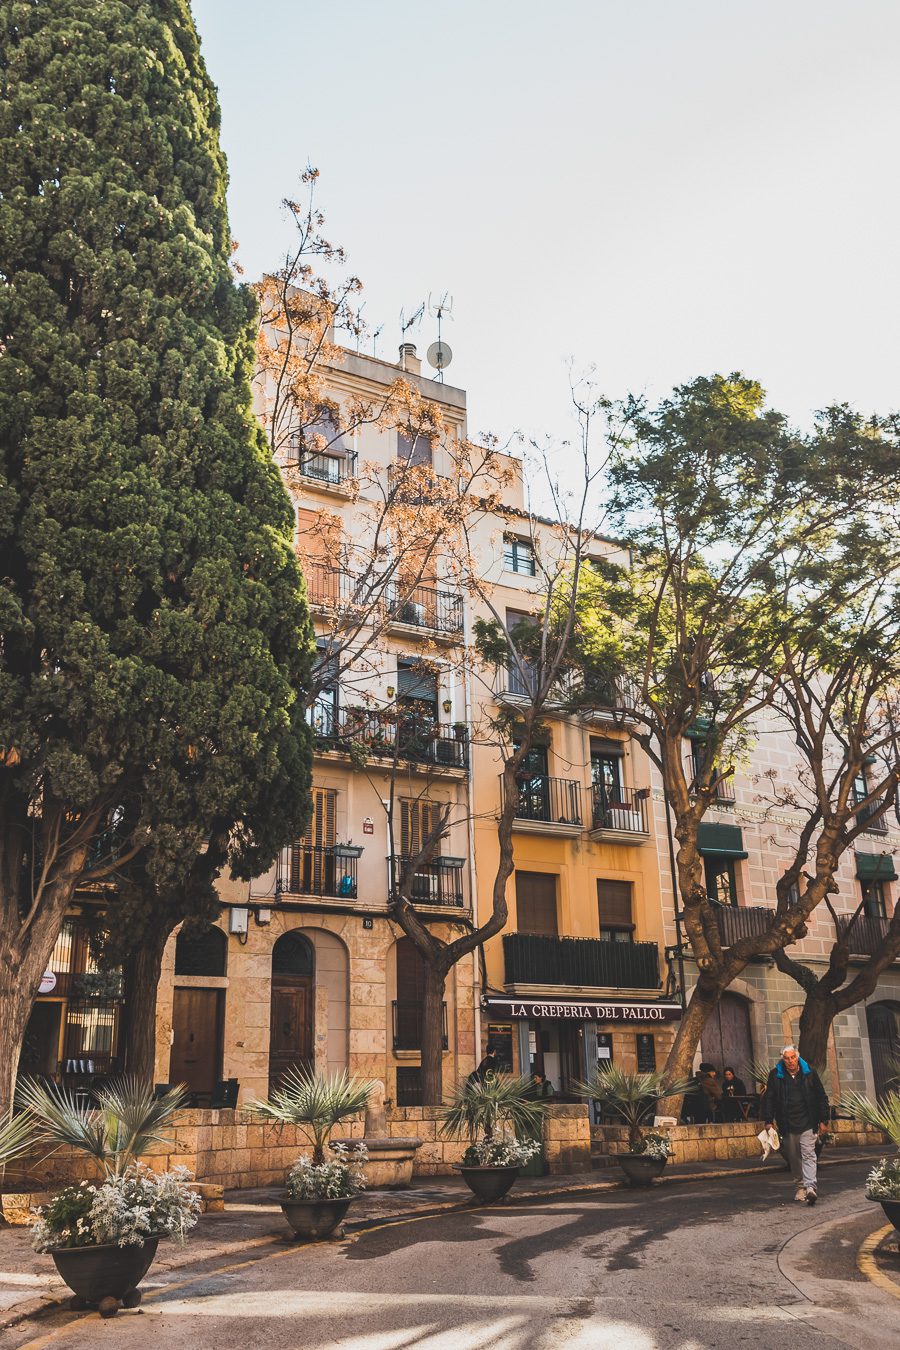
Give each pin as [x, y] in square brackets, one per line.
[800, 1151]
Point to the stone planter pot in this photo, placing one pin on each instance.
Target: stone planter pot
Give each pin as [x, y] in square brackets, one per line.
[106, 1274]
[891, 1211]
[639, 1169]
[315, 1219]
[488, 1183]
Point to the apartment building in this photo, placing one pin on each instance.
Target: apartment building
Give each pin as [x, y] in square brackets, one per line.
[747, 844]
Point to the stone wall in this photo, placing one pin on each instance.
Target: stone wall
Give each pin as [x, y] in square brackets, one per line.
[708, 1143]
[235, 1149]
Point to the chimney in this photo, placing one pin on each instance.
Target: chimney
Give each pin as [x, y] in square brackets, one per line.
[408, 359]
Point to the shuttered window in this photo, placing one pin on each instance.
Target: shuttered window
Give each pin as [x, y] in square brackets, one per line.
[416, 681]
[410, 972]
[418, 817]
[536, 903]
[614, 902]
[321, 832]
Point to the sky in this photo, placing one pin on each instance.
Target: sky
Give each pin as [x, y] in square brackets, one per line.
[654, 188]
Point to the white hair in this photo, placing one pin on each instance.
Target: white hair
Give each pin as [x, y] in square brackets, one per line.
[788, 1048]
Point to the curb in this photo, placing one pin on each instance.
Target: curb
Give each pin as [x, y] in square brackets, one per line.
[22, 1312]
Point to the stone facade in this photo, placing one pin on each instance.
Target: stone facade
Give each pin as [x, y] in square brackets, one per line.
[711, 1143]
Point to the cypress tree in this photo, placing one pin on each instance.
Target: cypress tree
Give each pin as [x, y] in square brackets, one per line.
[155, 636]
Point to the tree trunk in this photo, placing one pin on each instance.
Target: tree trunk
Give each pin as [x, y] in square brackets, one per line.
[680, 1063]
[819, 1011]
[142, 969]
[433, 1035]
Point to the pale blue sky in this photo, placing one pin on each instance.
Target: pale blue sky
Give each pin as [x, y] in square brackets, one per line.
[662, 188]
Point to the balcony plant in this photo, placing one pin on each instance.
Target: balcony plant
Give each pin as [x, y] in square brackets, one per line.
[495, 1114]
[103, 1237]
[321, 1188]
[883, 1182]
[630, 1096]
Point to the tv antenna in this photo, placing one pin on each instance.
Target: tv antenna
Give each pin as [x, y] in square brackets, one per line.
[412, 321]
[439, 353]
[375, 336]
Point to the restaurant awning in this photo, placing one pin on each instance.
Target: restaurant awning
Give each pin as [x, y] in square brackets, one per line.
[721, 841]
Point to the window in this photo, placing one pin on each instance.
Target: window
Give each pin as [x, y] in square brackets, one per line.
[606, 772]
[200, 953]
[518, 556]
[409, 1085]
[616, 910]
[322, 714]
[417, 687]
[418, 817]
[412, 452]
[536, 903]
[861, 790]
[724, 787]
[874, 906]
[721, 880]
[519, 681]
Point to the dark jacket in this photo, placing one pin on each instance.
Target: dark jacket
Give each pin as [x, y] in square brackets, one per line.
[774, 1106]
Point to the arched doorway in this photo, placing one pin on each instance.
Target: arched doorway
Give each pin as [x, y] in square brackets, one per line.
[291, 1025]
[883, 1022]
[727, 1039]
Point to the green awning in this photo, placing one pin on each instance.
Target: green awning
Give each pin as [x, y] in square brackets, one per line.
[721, 841]
[699, 729]
[875, 867]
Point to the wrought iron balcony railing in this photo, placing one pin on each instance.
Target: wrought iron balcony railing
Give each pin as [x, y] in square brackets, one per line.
[865, 812]
[867, 933]
[620, 809]
[407, 1017]
[740, 921]
[552, 801]
[425, 607]
[305, 869]
[411, 736]
[329, 470]
[438, 883]
[580, 963]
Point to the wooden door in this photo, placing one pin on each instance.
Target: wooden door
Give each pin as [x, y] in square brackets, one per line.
[196, 1058]
[291, 1028]
[726, 1039]
[883, 1022]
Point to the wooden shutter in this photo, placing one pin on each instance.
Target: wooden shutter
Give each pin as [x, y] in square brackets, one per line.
[614, 901]
[410, 972]
[416, 681]
[418, 817]
[536, 903]
[321, 832]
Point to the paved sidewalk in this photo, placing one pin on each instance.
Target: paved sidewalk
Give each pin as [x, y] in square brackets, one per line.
[253, 1219]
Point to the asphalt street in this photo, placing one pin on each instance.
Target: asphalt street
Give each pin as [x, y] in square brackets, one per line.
[706, 1264]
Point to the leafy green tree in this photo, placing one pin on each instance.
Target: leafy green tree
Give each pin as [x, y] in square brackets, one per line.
[156, 642]
[738, 526]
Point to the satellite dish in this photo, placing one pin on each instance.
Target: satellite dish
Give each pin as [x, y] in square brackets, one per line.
[439, 355]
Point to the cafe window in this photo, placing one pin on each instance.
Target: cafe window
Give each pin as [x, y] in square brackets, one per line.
[616, 910]
[721, 880]
[536, 903]
[518, 556]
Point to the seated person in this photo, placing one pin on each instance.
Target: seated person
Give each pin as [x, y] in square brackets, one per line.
[732, 1088]
[709, 1094]
[541, 1086]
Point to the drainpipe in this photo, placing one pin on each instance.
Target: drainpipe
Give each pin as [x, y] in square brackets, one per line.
[478, 984]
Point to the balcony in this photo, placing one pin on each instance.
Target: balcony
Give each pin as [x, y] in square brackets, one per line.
[877, 826]
[548, 805]
[741, 921]
[867, 933]
[329, 472]
[333, 588]
[436, 613]
[436, 885]
[580, 963]
[419, 485]
[410, 738]
[724, 793]
[323, 871]
[407, 1018]
[620, 815]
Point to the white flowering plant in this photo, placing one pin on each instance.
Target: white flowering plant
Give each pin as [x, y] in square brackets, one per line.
[337, 1178]
[125, 1209]
[883, 1182]
[652, 1144]
[502, 1151]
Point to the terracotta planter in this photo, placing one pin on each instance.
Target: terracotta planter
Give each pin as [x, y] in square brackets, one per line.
[315, 1219]
[106, 1273]
[488, 1183]
[639, 1169]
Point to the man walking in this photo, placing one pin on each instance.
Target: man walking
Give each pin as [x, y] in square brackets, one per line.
[796, 1102]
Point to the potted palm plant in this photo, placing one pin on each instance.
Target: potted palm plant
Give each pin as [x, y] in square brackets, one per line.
[883, 1182]
[103, 1236]
[493, 1114]
[320, 1189]
[631, 1096]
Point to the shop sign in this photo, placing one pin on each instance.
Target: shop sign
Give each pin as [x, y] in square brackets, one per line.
[536, 1011]
[48, 982]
